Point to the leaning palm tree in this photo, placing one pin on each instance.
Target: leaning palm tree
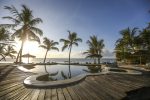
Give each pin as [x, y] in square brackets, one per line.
[48, 45]
[96, 46]
[72, 40]
[24, 26]
[2, 51]
[10, 51]
[90, 54]
[68, 43]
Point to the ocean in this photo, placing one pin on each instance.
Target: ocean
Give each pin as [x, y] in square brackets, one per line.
[59, 60]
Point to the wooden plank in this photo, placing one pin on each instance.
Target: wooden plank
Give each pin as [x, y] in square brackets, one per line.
[74, 96]
[25, 96]
[48, 94]
[11, 94]
[99, 91]
[54, 94]
[125, 82]
[80, 92]
[114, 88]
[89, 92]
[60, 94]
[35, 94]
[41, 95]
[29, 96]
[8, 86]
[9, 90]
[10, 81]
[109, 89]
[20, 94]
[66, 94]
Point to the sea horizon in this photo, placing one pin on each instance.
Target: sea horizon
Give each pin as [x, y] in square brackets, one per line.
[59, 60]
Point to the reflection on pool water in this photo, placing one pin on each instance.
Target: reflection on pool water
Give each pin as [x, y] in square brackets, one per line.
[62, 72]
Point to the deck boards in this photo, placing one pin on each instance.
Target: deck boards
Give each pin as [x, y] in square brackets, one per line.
[103, 87]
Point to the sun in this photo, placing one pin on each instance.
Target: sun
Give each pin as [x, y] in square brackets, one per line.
[29, 47]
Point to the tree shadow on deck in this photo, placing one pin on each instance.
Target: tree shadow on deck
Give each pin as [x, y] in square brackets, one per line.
[138, 94]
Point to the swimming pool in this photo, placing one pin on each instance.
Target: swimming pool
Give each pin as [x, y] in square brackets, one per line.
[63, 75]
[60, 72]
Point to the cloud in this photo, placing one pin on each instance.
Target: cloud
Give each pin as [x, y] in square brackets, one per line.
[108, 54]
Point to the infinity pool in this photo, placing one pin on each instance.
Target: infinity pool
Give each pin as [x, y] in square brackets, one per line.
[60, 72]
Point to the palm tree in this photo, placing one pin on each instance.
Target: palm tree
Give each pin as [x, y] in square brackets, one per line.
[24, 25]
[145, 42]
[128, 38]
[68, 43]
[2, 51]
[10, 51]
[96, 46]
[3, 34]
[72, 40]
[90, 54]
[48, 45]
[127, 43]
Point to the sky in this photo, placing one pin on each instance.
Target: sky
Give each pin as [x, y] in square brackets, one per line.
[103, 18]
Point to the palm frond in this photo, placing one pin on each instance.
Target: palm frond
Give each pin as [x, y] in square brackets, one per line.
[16, 21]
[37, 30]
[8, 25]
[33, 37]
[43, 46]
[14, 11]
[35, 21]
[54, 48]
[64, 47]
[78, 40]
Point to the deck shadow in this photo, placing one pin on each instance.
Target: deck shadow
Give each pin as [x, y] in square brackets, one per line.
[138, 94]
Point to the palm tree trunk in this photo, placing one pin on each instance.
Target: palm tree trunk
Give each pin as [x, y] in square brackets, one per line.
[17, 56]
[98, 60]
[45, 69]
[94, 60]
[69, 62]
[45, 56]
[22, 44]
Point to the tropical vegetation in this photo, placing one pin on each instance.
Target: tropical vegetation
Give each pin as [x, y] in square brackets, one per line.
[95, 48]
[24, 26]
[6, 48]
[133, 46]
[48, 45]
[73, 39]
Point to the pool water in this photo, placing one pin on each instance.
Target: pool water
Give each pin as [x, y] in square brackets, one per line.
[62, 72]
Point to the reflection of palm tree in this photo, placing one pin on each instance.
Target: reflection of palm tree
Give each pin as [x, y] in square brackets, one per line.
[72, 40]
[10, 51]
[25, 26]
[48, 77]
[63, 75]
[49, 45]
[95, 47]
[93, 69]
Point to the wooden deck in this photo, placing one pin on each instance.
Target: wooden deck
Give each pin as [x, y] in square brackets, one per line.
[103, 87]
